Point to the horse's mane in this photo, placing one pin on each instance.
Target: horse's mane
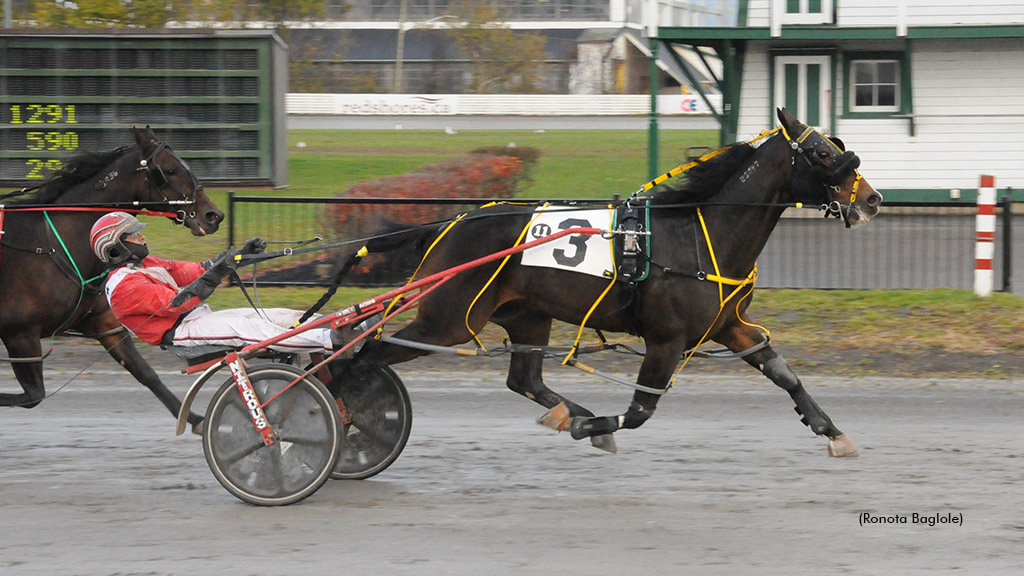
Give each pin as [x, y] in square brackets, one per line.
[76, 169]
[704, 180]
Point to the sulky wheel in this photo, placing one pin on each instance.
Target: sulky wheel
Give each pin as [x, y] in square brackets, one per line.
[306, 423]
[376, 416]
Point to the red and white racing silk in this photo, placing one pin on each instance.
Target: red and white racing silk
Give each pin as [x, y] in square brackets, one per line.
[140, 296]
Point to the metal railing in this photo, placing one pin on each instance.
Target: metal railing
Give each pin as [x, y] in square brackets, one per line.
[908, 245]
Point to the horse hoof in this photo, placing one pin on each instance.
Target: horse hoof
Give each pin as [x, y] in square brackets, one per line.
[842, 447]
[557, 418]
[605, 442]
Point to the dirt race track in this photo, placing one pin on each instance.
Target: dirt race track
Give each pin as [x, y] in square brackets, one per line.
[723, 480]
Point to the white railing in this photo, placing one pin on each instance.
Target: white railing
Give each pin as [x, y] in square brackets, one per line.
[495, 104]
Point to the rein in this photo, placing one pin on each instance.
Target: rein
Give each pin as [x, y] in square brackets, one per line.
[155, 172]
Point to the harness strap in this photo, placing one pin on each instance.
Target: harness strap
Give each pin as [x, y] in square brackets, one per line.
[30, 360]
[498, 271]
[684, 167]
[722, 281]
[82, 282]
[391, 305]
[85, 208]
[583, 324]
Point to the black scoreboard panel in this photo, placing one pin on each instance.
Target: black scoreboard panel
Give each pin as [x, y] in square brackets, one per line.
[216, 97]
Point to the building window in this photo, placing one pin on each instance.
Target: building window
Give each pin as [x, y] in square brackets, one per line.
[874, 86]
[807, 11]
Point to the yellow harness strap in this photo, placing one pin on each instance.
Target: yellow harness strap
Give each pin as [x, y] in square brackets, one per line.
[498, 271]
[684, 167]
[615, 276]
[391, 305]
[722, 281]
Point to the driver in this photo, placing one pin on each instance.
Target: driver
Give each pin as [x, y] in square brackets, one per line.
[160, 300]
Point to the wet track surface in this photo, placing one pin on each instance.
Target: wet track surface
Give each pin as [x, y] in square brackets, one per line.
[723, 480]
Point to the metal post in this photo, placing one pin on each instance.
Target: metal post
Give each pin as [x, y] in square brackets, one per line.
[1007, 209]
[400, 47]
[652, 130]
[231, 218]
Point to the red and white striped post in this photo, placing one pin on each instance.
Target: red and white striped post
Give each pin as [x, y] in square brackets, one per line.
[984, 247]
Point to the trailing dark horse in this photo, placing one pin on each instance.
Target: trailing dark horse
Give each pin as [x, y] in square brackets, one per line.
[50, 280]
[705, 239]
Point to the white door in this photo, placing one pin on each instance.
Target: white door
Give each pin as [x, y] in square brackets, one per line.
[803, 84]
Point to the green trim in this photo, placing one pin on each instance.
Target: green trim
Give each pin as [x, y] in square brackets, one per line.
[906, 85]
[732, 72]
[830, 32]
[833, 114]
[742, 13]
[944, 32]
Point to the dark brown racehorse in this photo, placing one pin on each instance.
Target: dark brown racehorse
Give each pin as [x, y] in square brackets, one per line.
[705, 239]
[50, 280]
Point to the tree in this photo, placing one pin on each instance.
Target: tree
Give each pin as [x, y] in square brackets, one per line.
[503, 60]
[101, 13]
[158, 13]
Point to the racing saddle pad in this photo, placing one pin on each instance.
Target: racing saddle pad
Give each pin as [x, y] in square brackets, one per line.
[594, 255]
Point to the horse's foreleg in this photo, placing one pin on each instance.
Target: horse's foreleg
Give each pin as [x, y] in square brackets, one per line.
[655, 372]
[118, 343]
[743, 338]
[29, 374]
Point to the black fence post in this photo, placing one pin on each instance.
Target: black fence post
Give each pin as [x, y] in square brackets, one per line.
[1007, 203]
[231, 219]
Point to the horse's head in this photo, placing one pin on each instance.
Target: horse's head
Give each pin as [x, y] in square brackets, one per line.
[170, 181]
[825, 173]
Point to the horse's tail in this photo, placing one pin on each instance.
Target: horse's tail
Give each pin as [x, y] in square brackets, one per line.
[393, 236]
[390, 236]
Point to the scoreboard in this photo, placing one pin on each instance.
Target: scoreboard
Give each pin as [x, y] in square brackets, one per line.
[216, 97]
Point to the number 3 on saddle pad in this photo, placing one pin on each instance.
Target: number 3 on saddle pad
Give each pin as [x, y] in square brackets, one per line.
[588, 254]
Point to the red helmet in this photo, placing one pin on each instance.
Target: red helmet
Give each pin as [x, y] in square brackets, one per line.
[107, 234]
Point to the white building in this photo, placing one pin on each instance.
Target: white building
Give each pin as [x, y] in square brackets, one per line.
[929, 93]
[592, 46]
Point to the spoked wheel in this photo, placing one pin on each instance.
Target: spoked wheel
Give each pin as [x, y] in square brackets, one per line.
[376, 416]
[307, 426]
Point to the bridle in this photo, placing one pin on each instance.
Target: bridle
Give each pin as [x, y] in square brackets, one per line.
[155, 177]
[845, 162]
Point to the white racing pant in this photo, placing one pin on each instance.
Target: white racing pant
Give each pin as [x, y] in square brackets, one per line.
[240, 327]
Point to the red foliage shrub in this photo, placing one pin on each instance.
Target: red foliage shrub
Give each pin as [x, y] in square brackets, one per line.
[473, 176]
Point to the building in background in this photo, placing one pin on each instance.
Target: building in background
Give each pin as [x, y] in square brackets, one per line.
[592, 46]
[929, 93]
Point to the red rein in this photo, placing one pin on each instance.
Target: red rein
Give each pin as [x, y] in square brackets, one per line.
[4, 210]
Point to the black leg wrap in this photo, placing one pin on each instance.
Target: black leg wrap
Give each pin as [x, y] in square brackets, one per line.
[581, 426]
[813, 416]
[636, 415]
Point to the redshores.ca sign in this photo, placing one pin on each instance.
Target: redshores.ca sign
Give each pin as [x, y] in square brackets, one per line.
[497, 104]
[394, 105]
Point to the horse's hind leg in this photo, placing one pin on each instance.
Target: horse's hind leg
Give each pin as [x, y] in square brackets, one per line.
[29, 374]
[744, 337]
[525, 375]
